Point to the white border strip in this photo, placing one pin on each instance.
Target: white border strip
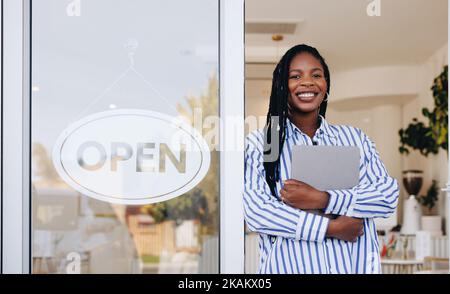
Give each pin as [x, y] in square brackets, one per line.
[14, 192]
[448, 162]
[231, 162]
[26, 139]
[1, 129]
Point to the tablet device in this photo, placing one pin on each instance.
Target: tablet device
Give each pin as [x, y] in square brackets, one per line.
[326, 167]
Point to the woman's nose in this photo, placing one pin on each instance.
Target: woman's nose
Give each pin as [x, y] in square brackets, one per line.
[307, 82]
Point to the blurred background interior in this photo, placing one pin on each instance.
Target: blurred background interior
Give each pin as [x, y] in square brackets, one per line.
[385, 69]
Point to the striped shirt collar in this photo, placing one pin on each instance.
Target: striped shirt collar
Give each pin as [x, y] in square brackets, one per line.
[323, 129]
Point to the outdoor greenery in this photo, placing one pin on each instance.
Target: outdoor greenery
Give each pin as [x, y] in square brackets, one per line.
[190, 206]
[150, 259]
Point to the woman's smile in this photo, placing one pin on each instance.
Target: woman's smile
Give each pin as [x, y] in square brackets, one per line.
[307, 96]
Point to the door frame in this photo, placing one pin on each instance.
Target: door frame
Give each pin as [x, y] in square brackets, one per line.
[16, 225]
[15, 109]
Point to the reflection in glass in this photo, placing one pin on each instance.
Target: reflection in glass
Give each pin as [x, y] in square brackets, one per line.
[136, 54]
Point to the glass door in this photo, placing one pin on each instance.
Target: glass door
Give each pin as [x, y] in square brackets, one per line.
[123, 167]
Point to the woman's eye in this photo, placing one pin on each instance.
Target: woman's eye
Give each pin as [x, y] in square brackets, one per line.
[296, 77]
[317, 76]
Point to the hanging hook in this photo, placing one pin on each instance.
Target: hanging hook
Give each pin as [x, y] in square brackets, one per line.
[131, 45]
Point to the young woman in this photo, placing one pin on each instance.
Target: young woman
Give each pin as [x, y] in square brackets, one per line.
[340, 239]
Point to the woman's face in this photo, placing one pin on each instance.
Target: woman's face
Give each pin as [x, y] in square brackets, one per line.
[307, 84]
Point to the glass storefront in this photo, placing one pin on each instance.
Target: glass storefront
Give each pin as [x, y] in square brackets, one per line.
[91, 58]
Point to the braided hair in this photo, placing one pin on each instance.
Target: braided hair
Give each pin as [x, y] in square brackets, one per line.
[278, 108]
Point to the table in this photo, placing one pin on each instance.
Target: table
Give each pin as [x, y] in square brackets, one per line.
[400, 266]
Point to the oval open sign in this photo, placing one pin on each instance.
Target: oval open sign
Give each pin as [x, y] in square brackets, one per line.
[131, 156]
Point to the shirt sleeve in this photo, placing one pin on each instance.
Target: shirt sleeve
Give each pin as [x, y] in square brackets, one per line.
[265, 213]
[376, 195]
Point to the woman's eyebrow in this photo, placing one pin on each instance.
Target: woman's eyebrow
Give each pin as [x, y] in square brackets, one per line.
[299, 70]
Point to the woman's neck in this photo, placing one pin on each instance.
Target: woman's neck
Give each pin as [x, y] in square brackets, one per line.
[308, 123]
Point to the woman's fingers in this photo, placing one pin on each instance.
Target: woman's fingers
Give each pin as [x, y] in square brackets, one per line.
[293, 182]
[284, 196]
[290, 185]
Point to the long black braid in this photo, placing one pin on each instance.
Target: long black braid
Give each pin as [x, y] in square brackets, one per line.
[278, 108]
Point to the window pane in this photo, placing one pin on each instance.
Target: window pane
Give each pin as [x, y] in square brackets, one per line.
[90, 61]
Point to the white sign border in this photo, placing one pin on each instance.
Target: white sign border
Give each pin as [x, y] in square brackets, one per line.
[177, 123]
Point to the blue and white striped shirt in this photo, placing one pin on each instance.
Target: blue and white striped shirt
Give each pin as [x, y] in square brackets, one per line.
[293, 241]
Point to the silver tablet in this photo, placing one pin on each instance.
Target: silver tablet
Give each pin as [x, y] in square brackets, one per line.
[326, 167]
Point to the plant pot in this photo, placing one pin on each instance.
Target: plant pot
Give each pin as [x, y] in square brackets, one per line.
[411, 216]
[432, 223]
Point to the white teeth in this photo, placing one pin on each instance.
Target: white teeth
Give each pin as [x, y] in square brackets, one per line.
[306, 95]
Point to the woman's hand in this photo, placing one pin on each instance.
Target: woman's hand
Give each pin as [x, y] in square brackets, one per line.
[345, 228]
[302, 196]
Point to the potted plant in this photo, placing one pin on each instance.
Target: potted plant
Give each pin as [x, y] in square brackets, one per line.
[433, 136]
[430, 221]
[430, 138]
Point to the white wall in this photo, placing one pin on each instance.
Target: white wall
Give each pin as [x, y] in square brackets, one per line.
[257, 93]
[375, 82]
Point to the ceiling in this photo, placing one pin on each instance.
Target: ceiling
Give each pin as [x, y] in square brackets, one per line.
[406, 32]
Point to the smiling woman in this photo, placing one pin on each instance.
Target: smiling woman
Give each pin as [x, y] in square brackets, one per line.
[340, 236]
